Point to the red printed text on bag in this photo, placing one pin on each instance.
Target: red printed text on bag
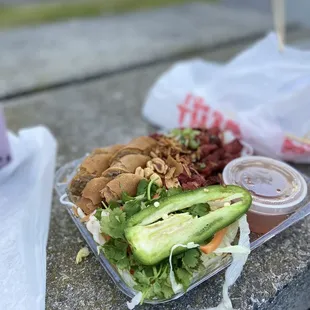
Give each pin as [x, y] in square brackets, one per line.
[194, 112]
[294, 147]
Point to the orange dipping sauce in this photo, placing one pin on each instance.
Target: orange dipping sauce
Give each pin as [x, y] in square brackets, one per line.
[276, 188]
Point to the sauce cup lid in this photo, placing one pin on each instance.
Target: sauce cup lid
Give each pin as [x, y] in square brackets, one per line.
[276, 187]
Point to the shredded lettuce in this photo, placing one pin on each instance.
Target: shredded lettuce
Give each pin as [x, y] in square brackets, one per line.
[230, 235]
[93, 226]
[209, 260]
[127, 277]
[134, 301]
[240, 255]
[178, 287]
[83, 252]
[214, 260]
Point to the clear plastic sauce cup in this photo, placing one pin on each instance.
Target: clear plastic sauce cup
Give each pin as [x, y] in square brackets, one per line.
[277, 189]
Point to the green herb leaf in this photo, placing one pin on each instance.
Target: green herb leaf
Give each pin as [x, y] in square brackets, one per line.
[175, 132]
[116, 252]
[193, 144]
[151, 189]
[183, 141]
[113, 205]
[157, 288]
[184, 277]
[126, 197]
[174, 191]
[147, 188]
[186, 137]
[142, 187]
[194, 133]
[132, 207]
[141, 277]
[143, 205]
[167, 291]
[98, 214]
[202, 165]
[154, 281]
[114, 224]
[191, 259]
[161, 192]
[199, 210]
[123, 263]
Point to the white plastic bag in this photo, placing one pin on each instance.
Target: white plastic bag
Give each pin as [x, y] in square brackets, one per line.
[26, 185]
[262, 96]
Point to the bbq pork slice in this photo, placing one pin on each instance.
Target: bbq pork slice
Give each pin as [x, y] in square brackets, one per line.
[126, 182]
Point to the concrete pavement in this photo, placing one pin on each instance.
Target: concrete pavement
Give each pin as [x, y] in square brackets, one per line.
[36, 57]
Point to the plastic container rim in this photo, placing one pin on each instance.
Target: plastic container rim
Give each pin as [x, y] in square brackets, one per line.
[286, 208]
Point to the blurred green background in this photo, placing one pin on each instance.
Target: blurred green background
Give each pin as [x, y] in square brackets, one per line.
[32, 14]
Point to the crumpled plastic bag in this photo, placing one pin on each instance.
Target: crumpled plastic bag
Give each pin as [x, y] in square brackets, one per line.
[261, 96]
[25, 202]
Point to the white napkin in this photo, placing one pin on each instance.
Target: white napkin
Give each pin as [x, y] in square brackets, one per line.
[25, 204]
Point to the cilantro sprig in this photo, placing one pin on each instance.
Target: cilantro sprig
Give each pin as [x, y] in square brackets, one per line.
[185, 264]
[114, 224]
[199, 210]
[154, 281]
[116, 251]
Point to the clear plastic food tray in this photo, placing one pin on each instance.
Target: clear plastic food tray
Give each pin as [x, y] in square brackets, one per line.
[63, 177]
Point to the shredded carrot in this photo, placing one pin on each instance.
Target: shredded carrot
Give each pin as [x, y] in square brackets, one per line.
[155, 196]
[214, 243]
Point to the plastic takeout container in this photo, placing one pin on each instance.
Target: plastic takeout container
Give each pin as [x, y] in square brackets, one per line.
[63, 177]
[277, 189]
